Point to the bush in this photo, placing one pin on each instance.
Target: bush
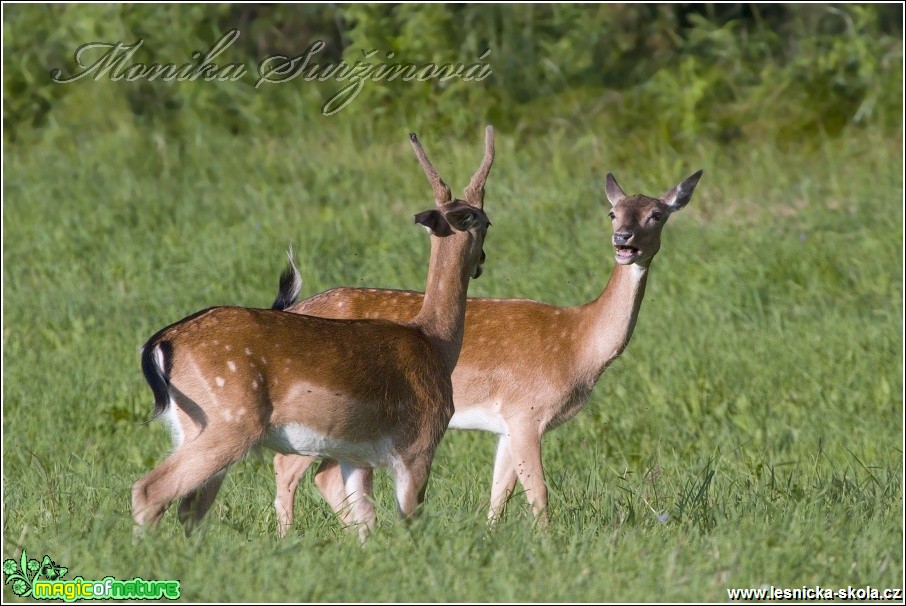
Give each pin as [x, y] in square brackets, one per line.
[675, 73]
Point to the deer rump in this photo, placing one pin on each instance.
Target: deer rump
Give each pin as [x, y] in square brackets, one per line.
[295, 384]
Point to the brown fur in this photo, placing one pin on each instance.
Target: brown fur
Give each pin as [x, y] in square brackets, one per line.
[236, 377]
[531, 364]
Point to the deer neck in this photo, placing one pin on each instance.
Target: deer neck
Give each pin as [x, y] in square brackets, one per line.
[443, 311]
[610, 319]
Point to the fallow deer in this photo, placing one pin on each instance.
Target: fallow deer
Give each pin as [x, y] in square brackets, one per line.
[525, 366]
[364, 392]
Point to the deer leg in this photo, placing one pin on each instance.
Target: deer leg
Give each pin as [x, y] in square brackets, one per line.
[504, 479]
[411, 482]
[184, 471]
[525, 452]
[358, 484]
[194, 507]
[329, 480]
[288, 470]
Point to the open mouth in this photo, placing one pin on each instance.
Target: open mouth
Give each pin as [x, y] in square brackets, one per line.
[626, 254]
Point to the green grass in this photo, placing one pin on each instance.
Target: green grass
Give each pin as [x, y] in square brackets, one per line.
[759, 405]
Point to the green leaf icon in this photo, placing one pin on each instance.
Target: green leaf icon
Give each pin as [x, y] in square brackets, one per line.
[51, 571]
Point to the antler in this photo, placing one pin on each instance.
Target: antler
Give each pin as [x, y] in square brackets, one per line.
[442, 193]
[475, 191]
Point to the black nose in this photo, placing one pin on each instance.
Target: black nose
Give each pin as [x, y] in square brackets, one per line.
[622, 237]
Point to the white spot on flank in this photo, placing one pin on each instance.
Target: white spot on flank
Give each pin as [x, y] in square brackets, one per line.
[231, 365]
[255, 385]
[248, 351]
[264, 360]
[228, 347]
[226, 414]
[475, 418]
[219, 381]
[296, 438]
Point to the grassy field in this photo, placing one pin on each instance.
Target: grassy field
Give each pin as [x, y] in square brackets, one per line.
[751, 434]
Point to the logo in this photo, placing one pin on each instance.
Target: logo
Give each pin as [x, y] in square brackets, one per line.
[43, 580]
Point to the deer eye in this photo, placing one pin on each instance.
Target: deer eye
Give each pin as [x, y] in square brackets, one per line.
[612, 215]
[656, 216]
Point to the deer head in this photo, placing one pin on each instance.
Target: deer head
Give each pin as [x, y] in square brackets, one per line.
[638, 220]
[455, 217]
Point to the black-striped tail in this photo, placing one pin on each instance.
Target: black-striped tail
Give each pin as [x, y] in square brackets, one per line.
[157, 359]
[290, 285]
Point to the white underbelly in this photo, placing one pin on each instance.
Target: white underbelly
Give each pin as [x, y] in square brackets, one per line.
[295, 438]
[475, 418]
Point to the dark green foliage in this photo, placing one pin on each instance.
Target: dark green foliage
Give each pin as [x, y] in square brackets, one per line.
[678, 73]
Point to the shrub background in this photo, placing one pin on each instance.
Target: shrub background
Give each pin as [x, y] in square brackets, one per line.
[678, 73]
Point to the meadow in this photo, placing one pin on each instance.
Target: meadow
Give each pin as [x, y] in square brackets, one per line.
[751, 433]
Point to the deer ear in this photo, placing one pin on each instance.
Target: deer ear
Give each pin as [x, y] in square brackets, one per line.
[463, 219]
[613, 190]
[680, 195]
[433, 221]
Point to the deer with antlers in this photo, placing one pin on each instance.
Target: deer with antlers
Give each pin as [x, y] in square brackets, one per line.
[525, 366]
[364, 392]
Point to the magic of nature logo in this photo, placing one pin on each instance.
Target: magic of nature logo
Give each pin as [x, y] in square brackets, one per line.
[43, 580]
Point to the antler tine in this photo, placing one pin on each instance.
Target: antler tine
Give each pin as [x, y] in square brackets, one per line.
[442, 193]
[475, 191]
